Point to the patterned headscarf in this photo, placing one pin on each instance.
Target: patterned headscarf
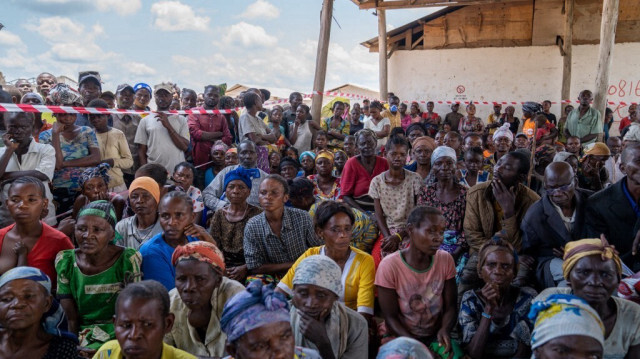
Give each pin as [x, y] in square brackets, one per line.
[105, 210]
[232, 150]
[325, 154]
[503, 131]
[201, 251]
[219, 146]
[321, 271]
[404, 348]
[257, 306]
[63, 95]
[308, 153]
[443, 151]
[532, 107]
[101, 170]
[576, 250]
[563, 315]
[53, 321]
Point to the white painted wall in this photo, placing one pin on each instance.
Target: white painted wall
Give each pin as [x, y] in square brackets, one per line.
[509, 74]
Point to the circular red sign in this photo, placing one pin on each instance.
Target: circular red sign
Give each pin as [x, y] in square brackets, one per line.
[460, 89]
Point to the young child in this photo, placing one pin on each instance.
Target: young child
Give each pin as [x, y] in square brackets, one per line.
[336, 126]
[292, 152]
[416, 286]
[183, 175]
[473, 173]
[274, 162]
[545, 135]
[275, 123]
[321, 142]
[339, 160]
[394, 192]
[349, 146]
[440, 138]
[94, 184]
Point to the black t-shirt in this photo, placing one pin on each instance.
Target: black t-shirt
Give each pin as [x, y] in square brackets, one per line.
[551, 117]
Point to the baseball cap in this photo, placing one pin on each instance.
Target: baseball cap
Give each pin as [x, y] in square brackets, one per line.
[88, 75]
[163, 86]
[124, 87]
[521, 134]
[142, 85]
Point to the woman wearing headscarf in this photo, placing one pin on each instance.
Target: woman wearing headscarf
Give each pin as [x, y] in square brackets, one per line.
[404, 348]
[593, 270]
[494, 320]
[360, 170]
[566, 326]
[197, 301]
[228, 222]
[91, 276]
[144, 196]
[218, 152]
[308, 162]
[421, 150]
[327, 187]
[94, 186]
[256, 322]
[76, 147]
[33, 323]
[319, 320]
[449, 196]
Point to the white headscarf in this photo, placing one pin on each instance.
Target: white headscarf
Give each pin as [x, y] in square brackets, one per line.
[443, 151]
[503, 131]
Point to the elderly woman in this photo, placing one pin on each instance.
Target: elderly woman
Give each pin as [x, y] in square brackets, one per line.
[274, 239]
[197, 301]
[404, 348]
[494, 319]
[308, 162]
[421, 150]
[94, 186]
[39, 124]
[256, 322]
[360, 170]
[144, 196]
[327, 187]
[470, 123]
[76, 147]
[228, 223]
[91, 276]
[218, 152]
[333, 225]
[33, 323]
[29, 241]
[566, 326]
[319, 320]
[593, 269]
[449, 196]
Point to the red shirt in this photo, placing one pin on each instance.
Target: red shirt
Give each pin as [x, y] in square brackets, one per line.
[43, 254]
[207, 123]
[624, 123]
[355, 179]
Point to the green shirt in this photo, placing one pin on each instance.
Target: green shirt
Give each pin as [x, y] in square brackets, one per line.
[589, 124]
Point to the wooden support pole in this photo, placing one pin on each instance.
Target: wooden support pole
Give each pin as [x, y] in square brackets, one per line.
[382, 52]
[321, 59]
[568, 50]
[607, 42]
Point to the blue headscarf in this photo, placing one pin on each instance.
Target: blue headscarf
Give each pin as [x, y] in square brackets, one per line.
[243, 174]
[308, 153]
[54, 321]
[142, 85]
[257, 306]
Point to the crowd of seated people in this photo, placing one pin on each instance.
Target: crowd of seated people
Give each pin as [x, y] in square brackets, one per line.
[384, 230]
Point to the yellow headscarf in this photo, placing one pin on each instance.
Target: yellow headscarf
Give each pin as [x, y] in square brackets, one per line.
[325, 154]
[574, 251]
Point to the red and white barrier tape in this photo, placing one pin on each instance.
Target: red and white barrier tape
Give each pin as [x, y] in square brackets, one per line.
[10, 107]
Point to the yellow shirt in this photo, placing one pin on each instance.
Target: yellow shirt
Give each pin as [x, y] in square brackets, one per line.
[357, 279]
[396, 121]
[111, 350]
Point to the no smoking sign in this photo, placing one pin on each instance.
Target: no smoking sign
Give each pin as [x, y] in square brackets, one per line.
[460, 89]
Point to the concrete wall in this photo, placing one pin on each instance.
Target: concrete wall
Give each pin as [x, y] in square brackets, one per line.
[509, 74]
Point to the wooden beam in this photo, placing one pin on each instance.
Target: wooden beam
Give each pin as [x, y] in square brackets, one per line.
[321, 58]
[407, 39]
[382, 52]
[565, 93]
[407, 4]
[607, 42]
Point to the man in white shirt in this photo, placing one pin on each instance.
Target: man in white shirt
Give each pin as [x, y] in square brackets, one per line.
[22, 156]
[162, 138]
